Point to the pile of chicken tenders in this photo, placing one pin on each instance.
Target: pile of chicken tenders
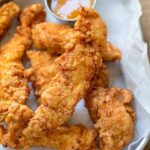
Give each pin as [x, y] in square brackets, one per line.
[67, 65]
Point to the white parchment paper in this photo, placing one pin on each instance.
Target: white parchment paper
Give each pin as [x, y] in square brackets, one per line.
[133, 71]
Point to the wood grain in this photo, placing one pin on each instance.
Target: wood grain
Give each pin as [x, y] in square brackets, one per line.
[145, 21]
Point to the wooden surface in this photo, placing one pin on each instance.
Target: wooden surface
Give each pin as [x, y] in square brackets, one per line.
[145, 21]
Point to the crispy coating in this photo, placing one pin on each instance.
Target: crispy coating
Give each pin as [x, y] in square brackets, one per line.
[112, 53]
[13, 85]
[65, 89]
[88, 22]
[7, 13]
[60, 82]
[32, 15]
[94, 35]
[113, 116]
[102, 78]
[14, 89]
[77, 65]
[77, 137]
[56, 37]
[43, 70]
[16, 117]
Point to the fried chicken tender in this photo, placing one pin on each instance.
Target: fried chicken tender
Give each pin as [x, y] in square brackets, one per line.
[13, 85]
[111, 111]
[44, 68]
[14, 90]
[76, 137]
[65, 89]
[77, 65]
[57, 37]
[16, 118]
[7, 13]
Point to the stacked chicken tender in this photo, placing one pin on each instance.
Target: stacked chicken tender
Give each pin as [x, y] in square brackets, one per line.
[68, 67]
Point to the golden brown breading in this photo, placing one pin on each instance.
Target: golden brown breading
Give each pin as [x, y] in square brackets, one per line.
[32, 15]
[14, 88]
[16, 117]
[56, 37]
[94, 35]
[43, 70]
[77, 65]
[113, 116]
[13, 85]
[112, 53]
[7, 13]
[111, 112]
[102, 78]
[77, 137]
[64, 91]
